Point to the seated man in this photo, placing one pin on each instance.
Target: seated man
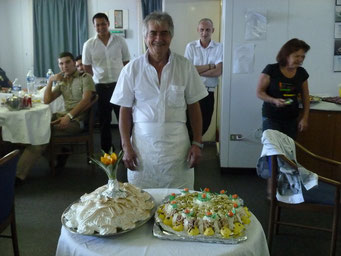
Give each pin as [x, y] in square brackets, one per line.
[76, 90]
[79, 64]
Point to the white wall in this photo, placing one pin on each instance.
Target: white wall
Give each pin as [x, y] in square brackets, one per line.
[311, 21]
[16, 44]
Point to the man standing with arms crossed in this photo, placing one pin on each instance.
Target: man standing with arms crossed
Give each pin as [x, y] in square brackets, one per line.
[207, 56]
[103, 57]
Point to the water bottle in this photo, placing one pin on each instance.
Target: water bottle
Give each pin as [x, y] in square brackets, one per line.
[49, 74]
[16, 87]
[30, 78]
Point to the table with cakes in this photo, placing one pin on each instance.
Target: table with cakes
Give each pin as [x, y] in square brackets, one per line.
[161, 221]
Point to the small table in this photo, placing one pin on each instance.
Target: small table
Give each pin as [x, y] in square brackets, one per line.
[142, 242]
[26, 126]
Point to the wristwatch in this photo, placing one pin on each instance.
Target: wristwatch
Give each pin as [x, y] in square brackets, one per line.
[200, 145]
[69, 115]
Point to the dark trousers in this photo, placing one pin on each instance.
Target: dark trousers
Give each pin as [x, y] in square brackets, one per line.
[105, 92]
[288, 127]
[207, 107]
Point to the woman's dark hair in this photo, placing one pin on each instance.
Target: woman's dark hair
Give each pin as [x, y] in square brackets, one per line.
[288, 48]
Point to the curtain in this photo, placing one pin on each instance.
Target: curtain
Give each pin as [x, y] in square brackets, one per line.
[149, 6]
[58, 26]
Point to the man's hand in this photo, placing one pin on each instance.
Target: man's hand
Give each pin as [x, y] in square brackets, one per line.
[130, 158]
[62, 122]
[57, 77]
[194, 156]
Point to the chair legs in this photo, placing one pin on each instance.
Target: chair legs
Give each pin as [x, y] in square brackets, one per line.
[277, 218]
[14, 234]
[335, 222]
[52, 157]
[271, 223]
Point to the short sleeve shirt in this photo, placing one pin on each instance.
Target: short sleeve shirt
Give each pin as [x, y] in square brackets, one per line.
[152, 101]
[286, 88]
[72, 90]
[106, 60]
[198, 55]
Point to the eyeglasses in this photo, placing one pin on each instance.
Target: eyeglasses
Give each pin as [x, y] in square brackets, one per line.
[158, 33]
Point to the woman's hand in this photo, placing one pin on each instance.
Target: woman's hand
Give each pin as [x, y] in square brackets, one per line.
[280, 103]
[303, 125]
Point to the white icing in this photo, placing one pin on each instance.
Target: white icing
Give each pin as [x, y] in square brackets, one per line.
[96, 213]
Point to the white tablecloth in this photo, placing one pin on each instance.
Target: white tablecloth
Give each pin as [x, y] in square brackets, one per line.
[28, 126]
[142, 242]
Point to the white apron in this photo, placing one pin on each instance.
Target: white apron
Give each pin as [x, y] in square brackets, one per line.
[162, 150]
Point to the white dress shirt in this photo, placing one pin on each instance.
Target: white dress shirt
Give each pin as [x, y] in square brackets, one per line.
[106, 61]
[198, 55]
[138, 87]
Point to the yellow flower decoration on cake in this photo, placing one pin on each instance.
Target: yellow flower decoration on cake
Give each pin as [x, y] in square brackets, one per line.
[109, 163]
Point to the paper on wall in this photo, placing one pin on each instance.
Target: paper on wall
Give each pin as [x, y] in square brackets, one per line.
[255, 26]
[243, 58]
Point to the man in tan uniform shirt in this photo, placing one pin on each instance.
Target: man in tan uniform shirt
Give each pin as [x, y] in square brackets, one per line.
[76, 90]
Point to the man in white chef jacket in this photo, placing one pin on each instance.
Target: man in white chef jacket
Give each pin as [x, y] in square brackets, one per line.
[154, 91]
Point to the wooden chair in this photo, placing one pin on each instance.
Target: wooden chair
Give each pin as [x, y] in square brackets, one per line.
[8, 165]
[333, 206]
[84, 138]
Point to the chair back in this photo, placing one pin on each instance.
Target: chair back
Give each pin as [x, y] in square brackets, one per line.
[324, 198]
[322, 166]
[8, 165]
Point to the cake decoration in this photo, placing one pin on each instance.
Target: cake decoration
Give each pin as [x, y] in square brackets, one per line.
[98, 214]
[204, 214]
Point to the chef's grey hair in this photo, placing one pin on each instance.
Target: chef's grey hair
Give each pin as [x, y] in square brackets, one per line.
[158, 18]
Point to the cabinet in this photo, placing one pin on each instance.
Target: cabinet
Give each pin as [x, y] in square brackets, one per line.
[323, 138]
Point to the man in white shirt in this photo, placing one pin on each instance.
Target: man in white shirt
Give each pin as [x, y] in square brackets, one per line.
[103, 57]
[154, 91]
[207, 56]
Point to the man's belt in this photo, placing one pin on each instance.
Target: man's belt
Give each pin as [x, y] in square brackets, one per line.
[210, 89]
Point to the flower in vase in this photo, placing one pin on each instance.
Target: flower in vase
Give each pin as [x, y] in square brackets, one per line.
[109, 163]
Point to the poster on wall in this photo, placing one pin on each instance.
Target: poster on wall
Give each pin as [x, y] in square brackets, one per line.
[337, 55]
[337, 63]
[255, 25]
[243, 59]
[337, 30]
[337, 13]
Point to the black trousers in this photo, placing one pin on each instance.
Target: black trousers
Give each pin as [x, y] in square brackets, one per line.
[207, 107]
[105, 108]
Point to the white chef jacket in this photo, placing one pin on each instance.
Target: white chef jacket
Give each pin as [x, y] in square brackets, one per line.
[106, 61]
[198, 55]
[138, 87]
[159, 135]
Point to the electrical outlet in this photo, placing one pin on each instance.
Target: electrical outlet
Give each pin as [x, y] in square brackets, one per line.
[236, 136]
